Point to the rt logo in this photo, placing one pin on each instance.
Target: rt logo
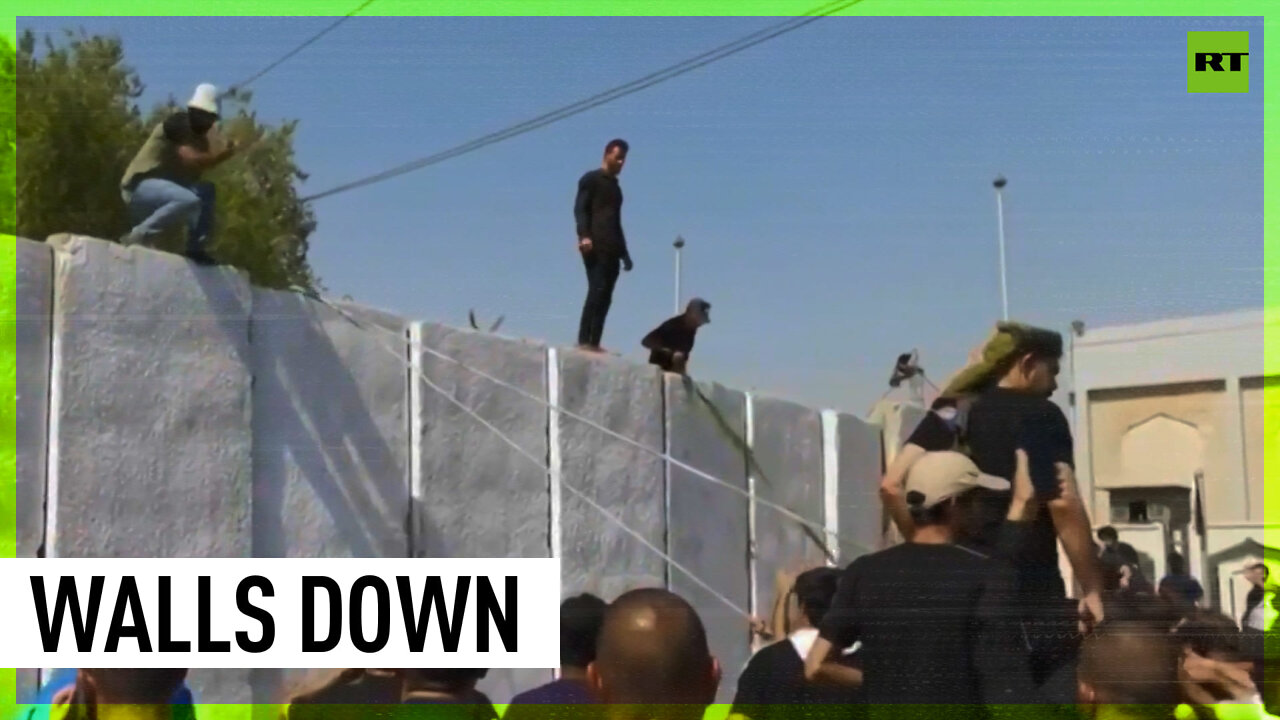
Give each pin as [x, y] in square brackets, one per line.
[1217, 62]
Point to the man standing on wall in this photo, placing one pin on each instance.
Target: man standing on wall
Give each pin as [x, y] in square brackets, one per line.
[999, 404]
[597, 211]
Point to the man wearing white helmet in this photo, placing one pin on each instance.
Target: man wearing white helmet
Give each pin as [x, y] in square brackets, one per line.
[162, 185]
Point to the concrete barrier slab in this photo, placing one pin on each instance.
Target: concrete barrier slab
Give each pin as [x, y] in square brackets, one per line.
[706, 429]
[787, 444]
[598, 555]
[860, 515]
[151, 404]
[330, 430]
[476, 496]
[33, 332]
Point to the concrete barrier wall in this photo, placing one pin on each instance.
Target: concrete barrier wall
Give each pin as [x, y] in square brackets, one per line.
[706, 430]
[151, 414]
[474, 494]
[330, 438]
[190, 415]
[787, 445]
[33, 333]
[598, 555]
[32, 337]
[330, 430]
[860, 514]
[463, 465]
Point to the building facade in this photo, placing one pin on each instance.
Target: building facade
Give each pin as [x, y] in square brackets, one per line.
[1172, 421]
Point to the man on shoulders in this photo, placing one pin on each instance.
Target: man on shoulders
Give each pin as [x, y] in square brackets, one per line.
[998, 404]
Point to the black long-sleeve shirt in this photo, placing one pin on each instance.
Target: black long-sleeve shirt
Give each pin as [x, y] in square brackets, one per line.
[675, 335]
[598, 213]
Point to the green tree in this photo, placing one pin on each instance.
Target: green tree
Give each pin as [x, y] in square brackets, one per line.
[8, 141]
[79, 126]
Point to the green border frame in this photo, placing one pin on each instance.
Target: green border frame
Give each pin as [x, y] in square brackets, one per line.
[1270, 86]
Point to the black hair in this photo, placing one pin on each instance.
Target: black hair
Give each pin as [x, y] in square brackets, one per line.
[967, 506]
[444, 679]
[619, 143]
[1108, 533]
[1266, 571]
[145, 686]
[1213, 635]
[939, 514]
[1177, 564]
[813, 590]
[581, 617]
[1132, 663]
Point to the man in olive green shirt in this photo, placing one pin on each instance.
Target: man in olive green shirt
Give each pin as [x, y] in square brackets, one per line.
[162, 185]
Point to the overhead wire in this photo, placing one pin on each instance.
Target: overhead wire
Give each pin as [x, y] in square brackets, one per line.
[304, 45]
[581, 106]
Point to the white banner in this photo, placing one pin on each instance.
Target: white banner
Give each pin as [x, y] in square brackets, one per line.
[280, 613]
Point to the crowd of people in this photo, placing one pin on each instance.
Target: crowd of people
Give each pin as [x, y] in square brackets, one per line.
[969, 617]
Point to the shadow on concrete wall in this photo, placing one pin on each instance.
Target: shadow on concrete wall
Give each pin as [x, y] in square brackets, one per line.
[312, 418]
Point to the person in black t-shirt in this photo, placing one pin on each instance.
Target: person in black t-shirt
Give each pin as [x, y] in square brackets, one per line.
[670, 343]
[937, 620]
[997, 404]
[773, 685]
[1120, 566]
[597, 211]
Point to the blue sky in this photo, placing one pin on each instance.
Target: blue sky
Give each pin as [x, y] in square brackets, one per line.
[834, 185]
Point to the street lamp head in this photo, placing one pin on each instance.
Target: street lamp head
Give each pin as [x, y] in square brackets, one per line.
[1000, 182]
[1077, 326]
[679, 243]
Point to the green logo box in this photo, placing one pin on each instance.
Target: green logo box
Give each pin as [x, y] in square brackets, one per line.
[1217, 62]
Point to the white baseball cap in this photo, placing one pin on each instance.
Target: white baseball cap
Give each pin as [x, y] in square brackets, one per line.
[938, 476]
[205, 98]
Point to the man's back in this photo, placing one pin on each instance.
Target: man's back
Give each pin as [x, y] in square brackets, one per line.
[1000, 422]
[673, 335]
[919, 611]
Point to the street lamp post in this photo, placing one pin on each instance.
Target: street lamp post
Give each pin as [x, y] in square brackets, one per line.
[678, 245]
[999, 184]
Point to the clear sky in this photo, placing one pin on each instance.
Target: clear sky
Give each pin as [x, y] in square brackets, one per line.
[834, 185]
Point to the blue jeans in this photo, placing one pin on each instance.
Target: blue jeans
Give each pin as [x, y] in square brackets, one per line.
[156, 205]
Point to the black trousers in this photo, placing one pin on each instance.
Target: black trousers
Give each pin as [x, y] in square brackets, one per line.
[602, 275]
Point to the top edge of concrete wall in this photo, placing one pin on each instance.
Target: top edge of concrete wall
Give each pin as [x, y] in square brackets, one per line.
[66, 242]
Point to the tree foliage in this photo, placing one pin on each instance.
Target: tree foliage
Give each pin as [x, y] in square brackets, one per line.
[79, 126]
[8, 140]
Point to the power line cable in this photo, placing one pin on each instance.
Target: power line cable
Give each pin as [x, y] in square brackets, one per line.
[304, 45]
[598, 99]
